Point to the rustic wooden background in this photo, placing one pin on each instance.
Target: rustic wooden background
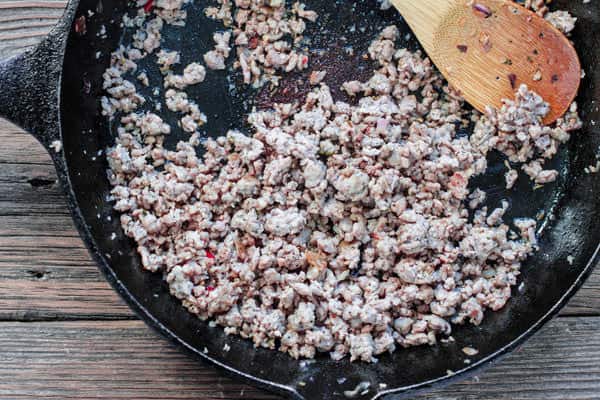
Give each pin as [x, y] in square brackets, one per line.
[64, 333]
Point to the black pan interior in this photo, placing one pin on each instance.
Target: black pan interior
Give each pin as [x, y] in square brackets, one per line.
[567, 209]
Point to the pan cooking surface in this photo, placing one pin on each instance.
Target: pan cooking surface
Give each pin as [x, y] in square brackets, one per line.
[565, 208]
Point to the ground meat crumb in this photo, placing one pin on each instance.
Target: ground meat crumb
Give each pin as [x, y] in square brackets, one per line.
[316, 77]
[266, 37]
[562, 20]
[56, 145]
[516, 130]
[215, 59]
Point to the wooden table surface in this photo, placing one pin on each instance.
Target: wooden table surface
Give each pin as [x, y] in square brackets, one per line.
[64, 333]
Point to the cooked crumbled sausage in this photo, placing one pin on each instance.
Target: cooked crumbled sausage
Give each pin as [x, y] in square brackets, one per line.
[215, 59]
[261, 32]
[562, 20]
[334, 227]
[193, 74]
[516, 130]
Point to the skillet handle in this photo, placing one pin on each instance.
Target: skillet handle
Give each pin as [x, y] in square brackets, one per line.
[30, 83]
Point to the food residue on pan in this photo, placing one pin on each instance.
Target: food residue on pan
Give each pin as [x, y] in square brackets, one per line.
[470, 351]
[346, 228]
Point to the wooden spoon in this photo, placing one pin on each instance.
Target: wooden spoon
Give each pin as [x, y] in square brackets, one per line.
[487, 48]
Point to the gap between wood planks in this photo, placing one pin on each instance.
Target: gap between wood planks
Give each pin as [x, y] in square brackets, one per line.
[77, 359]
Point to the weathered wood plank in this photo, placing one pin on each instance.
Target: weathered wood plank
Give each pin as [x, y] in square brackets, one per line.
[27, 189]
[562, 362]
[53, 277]
[110, 360]
[37, 225]
[587, 300]
[125, 360]
[25, 23]
[43, 4]
[24, 199]
[20, 147]
[36, 175]
[48, 300]
[45, 270]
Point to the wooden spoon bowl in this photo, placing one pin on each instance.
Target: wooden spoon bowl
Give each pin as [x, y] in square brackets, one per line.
[487, 48]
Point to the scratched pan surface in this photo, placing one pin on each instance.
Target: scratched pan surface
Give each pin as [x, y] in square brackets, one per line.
[567, 209]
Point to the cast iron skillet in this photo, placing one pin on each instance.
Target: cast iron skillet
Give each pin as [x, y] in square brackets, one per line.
[53, 92]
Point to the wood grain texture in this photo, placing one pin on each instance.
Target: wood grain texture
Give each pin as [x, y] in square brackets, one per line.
[45, 270]
[124, 360]
[25, 23]
[20, 147]
[107, 360]
[46, 277]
